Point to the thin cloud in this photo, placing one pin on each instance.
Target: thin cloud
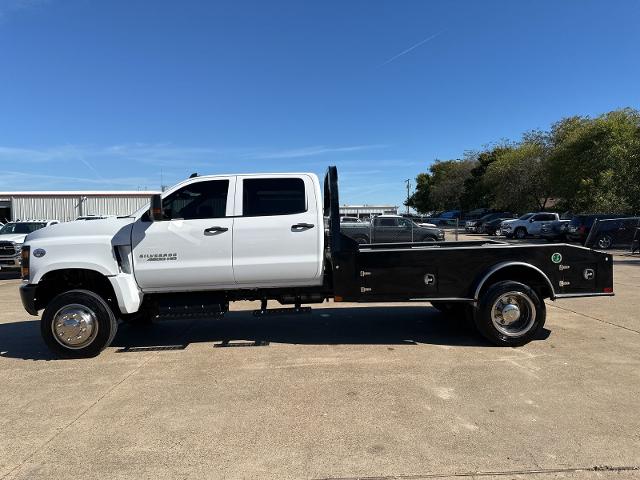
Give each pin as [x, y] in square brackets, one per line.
[8, 7]
[18, 180]
[411, 48]
[312, 151]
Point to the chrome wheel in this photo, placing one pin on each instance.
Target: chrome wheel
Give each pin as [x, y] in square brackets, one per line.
[74, 326]
[513, 314]
[605, 242]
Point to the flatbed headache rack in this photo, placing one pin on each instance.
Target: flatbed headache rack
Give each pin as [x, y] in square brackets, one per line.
[453, 271]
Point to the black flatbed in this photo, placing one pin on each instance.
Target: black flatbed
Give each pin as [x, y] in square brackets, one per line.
[454, 271]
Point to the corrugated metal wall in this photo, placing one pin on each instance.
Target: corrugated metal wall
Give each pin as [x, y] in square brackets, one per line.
[69, 208]
[113, 205]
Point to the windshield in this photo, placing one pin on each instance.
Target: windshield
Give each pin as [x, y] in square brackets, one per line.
[21, 227]
[526, 216]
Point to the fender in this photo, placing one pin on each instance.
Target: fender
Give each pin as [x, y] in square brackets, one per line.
[502, 265]
[128, 294]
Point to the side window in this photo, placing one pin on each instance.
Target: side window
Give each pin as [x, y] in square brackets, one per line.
[207, 199]
[387, 222]
[404, 223]
[273, 196]
[538, 218]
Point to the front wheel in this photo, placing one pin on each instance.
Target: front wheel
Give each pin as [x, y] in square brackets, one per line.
[78, 324]
[604, 242]
[520, 233]
[510, 314]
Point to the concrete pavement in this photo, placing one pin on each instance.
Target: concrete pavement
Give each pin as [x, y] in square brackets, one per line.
[350, 391]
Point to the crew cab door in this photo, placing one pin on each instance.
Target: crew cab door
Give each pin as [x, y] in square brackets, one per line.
[536, 222]
[192, 247]
[277, 237]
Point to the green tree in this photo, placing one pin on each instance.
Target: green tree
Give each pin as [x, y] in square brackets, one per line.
[594, 163]
[442, 187]
[476, 194]
[519, 177]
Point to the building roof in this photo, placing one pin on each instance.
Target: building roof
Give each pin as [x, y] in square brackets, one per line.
[79, 193]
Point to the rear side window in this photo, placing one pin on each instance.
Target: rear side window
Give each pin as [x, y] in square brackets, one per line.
[273, 196]
[387, 222]
[199, 200]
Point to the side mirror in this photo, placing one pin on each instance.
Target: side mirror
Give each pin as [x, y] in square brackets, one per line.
[155, 209]
[531, 220]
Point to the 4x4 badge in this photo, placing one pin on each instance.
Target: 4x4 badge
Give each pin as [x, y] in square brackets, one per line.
[556, 258]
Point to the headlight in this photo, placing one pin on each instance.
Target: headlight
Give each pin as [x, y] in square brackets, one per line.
[24, 264]
[17, 247]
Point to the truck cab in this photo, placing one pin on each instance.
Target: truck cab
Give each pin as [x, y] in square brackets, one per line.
[242, 231]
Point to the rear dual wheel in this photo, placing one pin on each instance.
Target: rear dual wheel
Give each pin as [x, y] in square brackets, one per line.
[508, 314]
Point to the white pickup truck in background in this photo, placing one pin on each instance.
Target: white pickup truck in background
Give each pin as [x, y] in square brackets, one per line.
[12, 236]
[529, 224]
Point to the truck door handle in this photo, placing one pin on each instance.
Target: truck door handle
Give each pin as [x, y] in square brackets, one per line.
[301, 226]
[214, 230]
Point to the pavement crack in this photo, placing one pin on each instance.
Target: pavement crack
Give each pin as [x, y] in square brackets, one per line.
[78, 417]
[480, 474]
[597, 319]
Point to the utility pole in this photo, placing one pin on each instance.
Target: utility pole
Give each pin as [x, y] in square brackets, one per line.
[408, 180]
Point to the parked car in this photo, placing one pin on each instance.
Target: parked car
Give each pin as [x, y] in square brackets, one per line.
[527, 224]
[492, 227]
[580, 225]
[555, 231]
[477, 225]
[449, 218]
[12, 236]
[391, 228]
[350, 220]
[609, 233]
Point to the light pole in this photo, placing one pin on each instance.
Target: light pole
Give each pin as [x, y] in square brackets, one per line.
[408, 180]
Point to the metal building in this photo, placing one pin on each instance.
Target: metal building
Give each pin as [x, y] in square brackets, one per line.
[65, 206]
[367, 211]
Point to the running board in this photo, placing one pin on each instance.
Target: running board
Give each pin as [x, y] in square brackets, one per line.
[281, 311]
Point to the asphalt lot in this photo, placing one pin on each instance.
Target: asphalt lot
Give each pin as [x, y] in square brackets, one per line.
[349, 391]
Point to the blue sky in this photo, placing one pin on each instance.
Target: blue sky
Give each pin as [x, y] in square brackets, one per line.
[106, 95]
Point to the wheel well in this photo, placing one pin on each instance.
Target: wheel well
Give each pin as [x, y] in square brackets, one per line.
[520, 273]
[59, 281]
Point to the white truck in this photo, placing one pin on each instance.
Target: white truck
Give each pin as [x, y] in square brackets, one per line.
[12, 236]
[529, 224]
[214, 239]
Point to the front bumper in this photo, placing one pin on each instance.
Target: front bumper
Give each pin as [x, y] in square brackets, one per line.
[10, 262]
[28, 297]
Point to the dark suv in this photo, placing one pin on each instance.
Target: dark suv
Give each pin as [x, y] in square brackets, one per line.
[580, 225]
[609, 233]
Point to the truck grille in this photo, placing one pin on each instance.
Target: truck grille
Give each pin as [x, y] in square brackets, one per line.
[7, 248]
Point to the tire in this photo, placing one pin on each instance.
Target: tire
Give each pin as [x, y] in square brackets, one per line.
[361, 240]
[604, 242]
[81, 309]
[520, 233]
[496, 302]
[429, 238]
